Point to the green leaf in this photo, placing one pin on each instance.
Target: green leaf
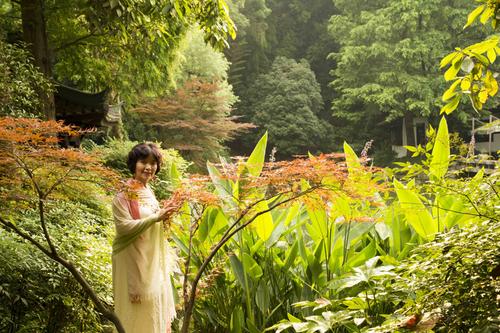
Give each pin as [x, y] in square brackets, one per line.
[292, 254]
[351, 158]
[451, 106]
[237, 320]
[452, 71]
[237, 268]
[206, 223]
[361, 257]
[446, 60]
[251, 267]
[174, 175]
[492, 55]
[441, 151]
[451, 91]
[255, 162]
[262, 297]
[415, 212]
[319, 221]
[487, 13]
[224, 188]
[218, 224]
[411, 148]
[292, 213]
[263, 224]
[473, 15]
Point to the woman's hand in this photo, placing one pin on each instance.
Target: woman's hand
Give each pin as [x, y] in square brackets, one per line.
[170, 207]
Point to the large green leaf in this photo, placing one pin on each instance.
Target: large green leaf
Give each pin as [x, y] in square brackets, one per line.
[440, 152]
[359, 258]
[206, 223]
[319, 222]
[292, 254]
[262, 297]
[255, 162]
[251, 267]
[352, 160]
[237, 267]
[237, 320]
[415, 212]
[263, 224]
[223, 187]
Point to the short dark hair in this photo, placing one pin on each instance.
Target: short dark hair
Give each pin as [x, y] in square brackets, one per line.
[141, 151]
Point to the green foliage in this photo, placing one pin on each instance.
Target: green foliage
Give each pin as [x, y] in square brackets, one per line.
[474, 63]
[286, 102]
[126, 45]
[20, 82]
[268, 29]
[386, 67]
[459, 275]
[36, 293]
[196, 117]
[199, 60]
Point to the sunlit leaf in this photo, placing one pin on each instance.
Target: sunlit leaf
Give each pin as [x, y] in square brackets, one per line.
[415, 212]
[440, 152]
[473, 15]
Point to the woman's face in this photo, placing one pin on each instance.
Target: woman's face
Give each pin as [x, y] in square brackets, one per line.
[145, 169]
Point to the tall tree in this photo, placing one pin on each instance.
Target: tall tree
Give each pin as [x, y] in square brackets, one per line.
[388, 64]
[286, 102]
[111, 38]
[268, 29]
[195, 120]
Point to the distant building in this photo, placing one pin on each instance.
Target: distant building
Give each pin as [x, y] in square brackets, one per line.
[87, 111]
[486, 134]
[408, 131]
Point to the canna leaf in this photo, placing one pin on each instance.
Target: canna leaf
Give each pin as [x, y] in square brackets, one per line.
[415, 212]
[251, 267]
[440, 152]
[263, 224]
[255, 162]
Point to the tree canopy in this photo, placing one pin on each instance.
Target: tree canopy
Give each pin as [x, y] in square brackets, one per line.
[388, 62]
[286, 102]
[127, 45]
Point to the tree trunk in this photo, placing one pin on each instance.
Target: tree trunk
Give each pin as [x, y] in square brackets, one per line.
[35, 34]
[410, 130]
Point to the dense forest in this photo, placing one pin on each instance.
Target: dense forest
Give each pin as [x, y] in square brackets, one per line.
[335, 162]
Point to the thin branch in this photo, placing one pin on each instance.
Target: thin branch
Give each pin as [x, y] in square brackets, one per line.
[58, 182]
[108, 313]
[30, 174]
[41, 212]
[473, 204]
[222, 242]
[78, 40]
[25, 236]
[493, 187]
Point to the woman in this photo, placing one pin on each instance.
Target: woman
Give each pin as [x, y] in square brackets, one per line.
[141, 271]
